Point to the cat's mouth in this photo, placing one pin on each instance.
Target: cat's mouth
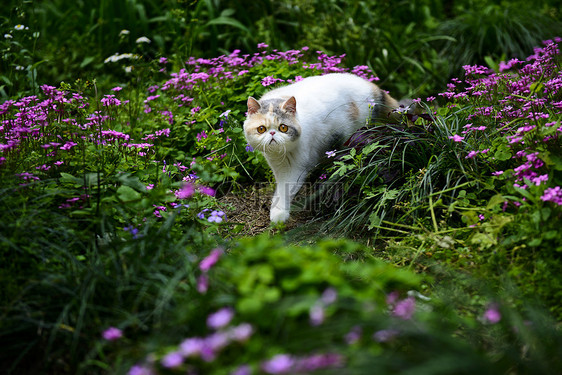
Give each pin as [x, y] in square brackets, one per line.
[272, 140]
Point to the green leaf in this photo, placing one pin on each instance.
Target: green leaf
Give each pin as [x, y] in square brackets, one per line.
[374, 220]
[66, 177]
[128, 194]
[87, 60]
[536, 87]
[228, 22]
[503, 153]
[494, 201]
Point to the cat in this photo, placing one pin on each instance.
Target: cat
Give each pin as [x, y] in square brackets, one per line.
[295, 125]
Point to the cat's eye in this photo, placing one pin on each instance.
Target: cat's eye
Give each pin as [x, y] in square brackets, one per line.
[261, 129]
[283, 128]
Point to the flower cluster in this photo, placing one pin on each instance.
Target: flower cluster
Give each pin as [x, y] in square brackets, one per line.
[204, 348]
[287, 364]
[520, 104]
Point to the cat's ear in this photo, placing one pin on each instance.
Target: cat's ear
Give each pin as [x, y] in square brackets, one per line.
[290, 105]
[253, 106]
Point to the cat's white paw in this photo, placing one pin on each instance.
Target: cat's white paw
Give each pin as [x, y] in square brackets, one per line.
[278, 215]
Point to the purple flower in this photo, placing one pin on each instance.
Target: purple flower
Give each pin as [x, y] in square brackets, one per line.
[140, 370]
[220, 319]
[405, 308]
[317, 314]
[456, 138]
[385, 335]
[392, 297]
[471, 154]
[280, 364]
[553, 195]
[354, 335]
[249, 148]
[216, 217]
[191, 347]
[331, 154]
[112, 334]
[242, 370]
[241, 332]
[317, 362]
[492, 315]
[172, 360]
[186, 191]
[201, 136]
[207, 191]
[134, 231]
[216, 342]
[329, 296]
[202, 284]
[201, 215]
[269, 80]
[210, 260]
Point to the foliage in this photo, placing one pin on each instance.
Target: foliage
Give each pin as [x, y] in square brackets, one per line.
[483, 169]
[414, 39]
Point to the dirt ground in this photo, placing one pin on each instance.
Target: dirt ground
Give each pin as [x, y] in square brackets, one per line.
[250, 205]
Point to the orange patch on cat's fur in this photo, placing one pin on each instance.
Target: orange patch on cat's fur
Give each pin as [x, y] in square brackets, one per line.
[387, 102]
[353, 111]
[254, 122]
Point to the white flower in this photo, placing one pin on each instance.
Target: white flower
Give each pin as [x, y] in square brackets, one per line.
[142, 39]
[19, 67]
[116, 57]
[128, 69]
[21, 27]
[124, 32]
[8, 36]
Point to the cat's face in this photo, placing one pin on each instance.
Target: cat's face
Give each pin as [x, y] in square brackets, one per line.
[271, 126]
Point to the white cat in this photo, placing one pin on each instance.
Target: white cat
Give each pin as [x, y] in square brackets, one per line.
[294, 126]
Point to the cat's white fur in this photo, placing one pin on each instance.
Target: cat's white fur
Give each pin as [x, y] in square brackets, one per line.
[318, 113]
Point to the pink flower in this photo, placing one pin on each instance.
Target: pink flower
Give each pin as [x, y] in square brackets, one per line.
[202, 284]
[220, 319]
[210, 260]
[112, 334]
[392, 298]
[207, 191]
[317, 314]
[241, 332]
[385, 335]
[329, 296]
[280, 364]
[492, 315]
[191, 347]
[456, 138]
[186, 191]
[172, 360]
[404, 309]
[242, 370]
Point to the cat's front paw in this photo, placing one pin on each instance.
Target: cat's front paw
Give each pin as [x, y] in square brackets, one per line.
[278, 215]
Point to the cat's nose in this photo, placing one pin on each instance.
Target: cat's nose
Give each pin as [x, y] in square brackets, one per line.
[272, 132]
